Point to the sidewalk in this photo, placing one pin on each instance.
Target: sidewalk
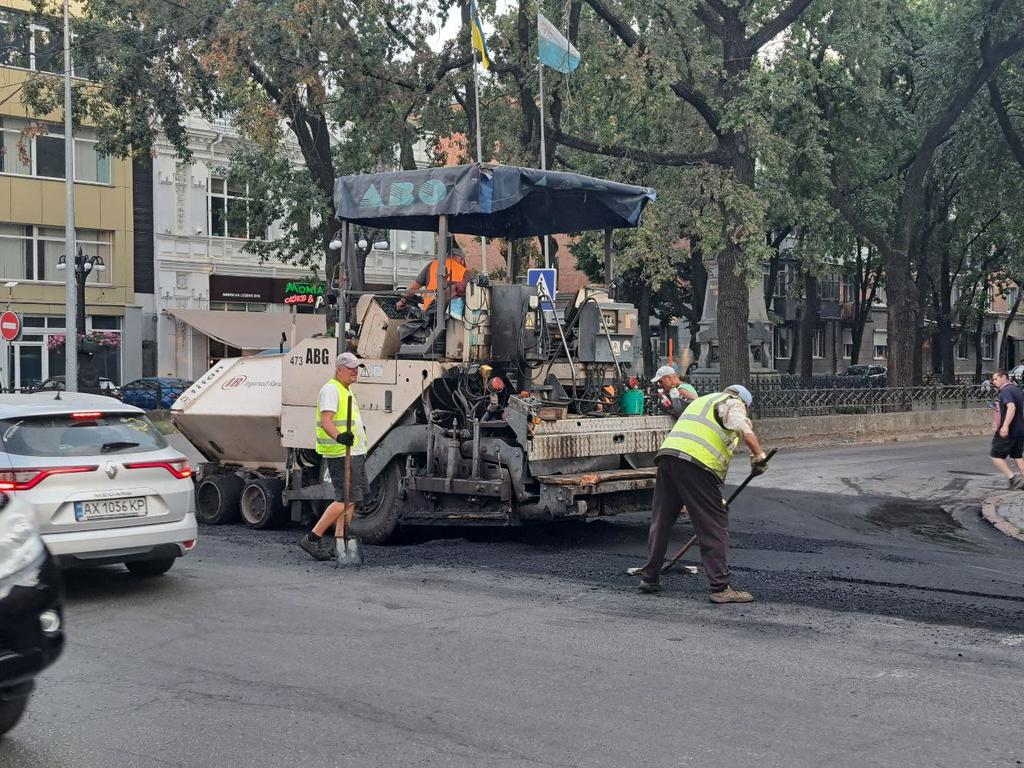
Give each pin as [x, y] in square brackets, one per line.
[1006, 512]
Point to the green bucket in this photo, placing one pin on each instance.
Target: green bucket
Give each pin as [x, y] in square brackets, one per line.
[632, 402]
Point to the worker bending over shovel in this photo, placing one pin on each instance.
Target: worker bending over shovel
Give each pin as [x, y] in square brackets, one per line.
[341, 441]
[692, 463]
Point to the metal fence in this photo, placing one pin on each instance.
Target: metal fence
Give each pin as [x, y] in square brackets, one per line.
[779, 402]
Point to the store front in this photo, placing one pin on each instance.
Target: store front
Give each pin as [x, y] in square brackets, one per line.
[38, 353]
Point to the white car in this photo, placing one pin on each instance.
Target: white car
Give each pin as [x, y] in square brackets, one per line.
[104, 484]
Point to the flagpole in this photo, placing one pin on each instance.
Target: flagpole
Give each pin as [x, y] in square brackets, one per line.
[543, 154]
[479, 143]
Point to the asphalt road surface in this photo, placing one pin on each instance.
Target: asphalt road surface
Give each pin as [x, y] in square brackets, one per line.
[888, 630]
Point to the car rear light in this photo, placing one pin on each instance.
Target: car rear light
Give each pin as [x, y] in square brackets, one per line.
[177, 467]
[29, 477]
[189, 545]
[86, 415]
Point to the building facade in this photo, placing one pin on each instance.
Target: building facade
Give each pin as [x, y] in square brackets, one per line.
[32, 221]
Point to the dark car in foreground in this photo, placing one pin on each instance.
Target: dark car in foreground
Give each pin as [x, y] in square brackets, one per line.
[31, 609]
[154, 392]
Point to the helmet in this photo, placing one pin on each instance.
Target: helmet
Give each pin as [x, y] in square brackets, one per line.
[742, 393]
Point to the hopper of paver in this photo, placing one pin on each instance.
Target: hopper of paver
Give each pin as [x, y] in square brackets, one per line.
[232, 414]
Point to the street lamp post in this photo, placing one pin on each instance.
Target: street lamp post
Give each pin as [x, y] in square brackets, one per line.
[83, 267]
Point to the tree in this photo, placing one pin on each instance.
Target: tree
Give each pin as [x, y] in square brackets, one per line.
[941, 56]
[303, 78]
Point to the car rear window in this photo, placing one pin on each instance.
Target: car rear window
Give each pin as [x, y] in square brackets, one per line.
[80, 435]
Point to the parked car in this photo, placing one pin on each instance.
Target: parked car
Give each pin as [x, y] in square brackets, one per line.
[1017, 374]
[872, 375]
[154, 392]
[56, 384]
[104, 484]
[31, 608]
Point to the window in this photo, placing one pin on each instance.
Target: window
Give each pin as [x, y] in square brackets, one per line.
[783, 342]
[818, 343]
[229, 210]
[27, 45]
[848, 351]
[783, 280]
[1011, 297]
[988, 346]
[849, 287]
[881, 344]
[37, 149]
[828, 287]
[961, 347]
[32, 253]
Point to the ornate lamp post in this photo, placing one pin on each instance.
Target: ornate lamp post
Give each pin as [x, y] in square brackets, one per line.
[83, 267]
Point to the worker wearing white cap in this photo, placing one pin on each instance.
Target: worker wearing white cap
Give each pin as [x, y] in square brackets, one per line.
[692, 463]
[673, 394]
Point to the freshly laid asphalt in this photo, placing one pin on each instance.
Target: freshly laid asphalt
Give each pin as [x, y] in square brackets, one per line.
[888, 631]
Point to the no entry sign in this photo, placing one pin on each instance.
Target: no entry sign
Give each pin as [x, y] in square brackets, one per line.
[10, 326]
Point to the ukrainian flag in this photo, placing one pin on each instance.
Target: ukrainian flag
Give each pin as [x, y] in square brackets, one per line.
[478, 35]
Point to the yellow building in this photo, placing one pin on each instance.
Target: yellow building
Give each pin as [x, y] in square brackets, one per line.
[32, 220]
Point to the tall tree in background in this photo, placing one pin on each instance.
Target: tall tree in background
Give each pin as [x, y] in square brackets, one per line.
[343, 83]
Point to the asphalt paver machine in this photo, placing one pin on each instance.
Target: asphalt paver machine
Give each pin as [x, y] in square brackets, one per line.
[508, 406]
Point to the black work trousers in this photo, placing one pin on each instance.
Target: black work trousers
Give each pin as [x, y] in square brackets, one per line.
[680, 483]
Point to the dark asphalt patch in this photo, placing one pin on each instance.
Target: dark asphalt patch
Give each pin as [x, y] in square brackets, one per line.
[921, 518]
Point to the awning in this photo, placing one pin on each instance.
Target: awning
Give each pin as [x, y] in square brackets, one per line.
[251, 330]
[486, 199]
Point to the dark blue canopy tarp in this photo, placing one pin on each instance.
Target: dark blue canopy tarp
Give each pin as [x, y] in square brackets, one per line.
[491, 200]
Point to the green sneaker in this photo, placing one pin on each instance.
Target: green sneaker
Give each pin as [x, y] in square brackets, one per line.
[730, 595]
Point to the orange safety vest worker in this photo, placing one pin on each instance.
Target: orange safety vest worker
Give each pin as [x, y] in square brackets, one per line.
[455, 273]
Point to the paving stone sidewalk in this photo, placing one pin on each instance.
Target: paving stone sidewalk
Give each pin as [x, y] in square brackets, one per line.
[1006, 512]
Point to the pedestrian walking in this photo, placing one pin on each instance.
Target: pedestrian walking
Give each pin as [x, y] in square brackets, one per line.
[340, 437]
[673, 394]
[691, 467]
[1008, 440]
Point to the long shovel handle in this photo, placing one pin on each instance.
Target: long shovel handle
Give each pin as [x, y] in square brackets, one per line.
[348, 458]
[693, 539]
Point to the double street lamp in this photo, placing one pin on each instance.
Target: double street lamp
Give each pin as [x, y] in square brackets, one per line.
[84, 266]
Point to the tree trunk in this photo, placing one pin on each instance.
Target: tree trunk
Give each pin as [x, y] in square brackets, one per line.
[945, 321]
[644, 315]
[699, 285]
[733, 292]
[978, 327]
[808, 325]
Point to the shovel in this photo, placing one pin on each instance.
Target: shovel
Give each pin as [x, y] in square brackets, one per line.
[693, 539]
[350, 548]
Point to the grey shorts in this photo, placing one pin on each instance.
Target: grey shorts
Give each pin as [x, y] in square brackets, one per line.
[360, 486]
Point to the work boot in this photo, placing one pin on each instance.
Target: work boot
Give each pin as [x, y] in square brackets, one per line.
[649, 586]
[730, 595]
[315, 548]
[1017, 483]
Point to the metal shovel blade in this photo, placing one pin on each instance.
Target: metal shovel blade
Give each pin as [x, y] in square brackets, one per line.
[692, 569]
[350, 553]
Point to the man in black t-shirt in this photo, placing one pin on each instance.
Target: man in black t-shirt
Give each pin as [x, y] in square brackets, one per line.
[1008, 440]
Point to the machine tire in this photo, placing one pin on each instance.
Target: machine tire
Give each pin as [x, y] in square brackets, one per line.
[217, 499]
[144, 569]
[378, 516]
[11, 711]
[261, 505]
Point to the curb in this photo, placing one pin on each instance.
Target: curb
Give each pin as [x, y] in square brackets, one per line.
[990, 511]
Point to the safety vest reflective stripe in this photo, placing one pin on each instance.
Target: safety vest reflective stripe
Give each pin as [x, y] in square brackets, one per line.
[454, 271]
[327, 445]
[698, 435]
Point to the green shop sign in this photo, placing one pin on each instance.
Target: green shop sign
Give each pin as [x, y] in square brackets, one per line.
[302, 293]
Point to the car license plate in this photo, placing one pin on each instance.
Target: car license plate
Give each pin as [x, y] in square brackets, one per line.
[107, 509]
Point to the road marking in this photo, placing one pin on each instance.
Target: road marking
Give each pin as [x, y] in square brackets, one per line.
[1016, 576]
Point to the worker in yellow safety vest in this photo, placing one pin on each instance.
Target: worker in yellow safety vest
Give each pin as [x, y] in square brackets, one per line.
[692, 463]
[455, 279]
[339, 430]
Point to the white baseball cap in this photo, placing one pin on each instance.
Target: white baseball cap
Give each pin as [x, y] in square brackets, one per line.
[665, 370]
[347, 360]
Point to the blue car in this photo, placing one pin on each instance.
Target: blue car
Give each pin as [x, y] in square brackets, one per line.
[154, 392]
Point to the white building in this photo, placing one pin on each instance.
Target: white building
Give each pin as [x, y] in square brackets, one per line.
[204, 297]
